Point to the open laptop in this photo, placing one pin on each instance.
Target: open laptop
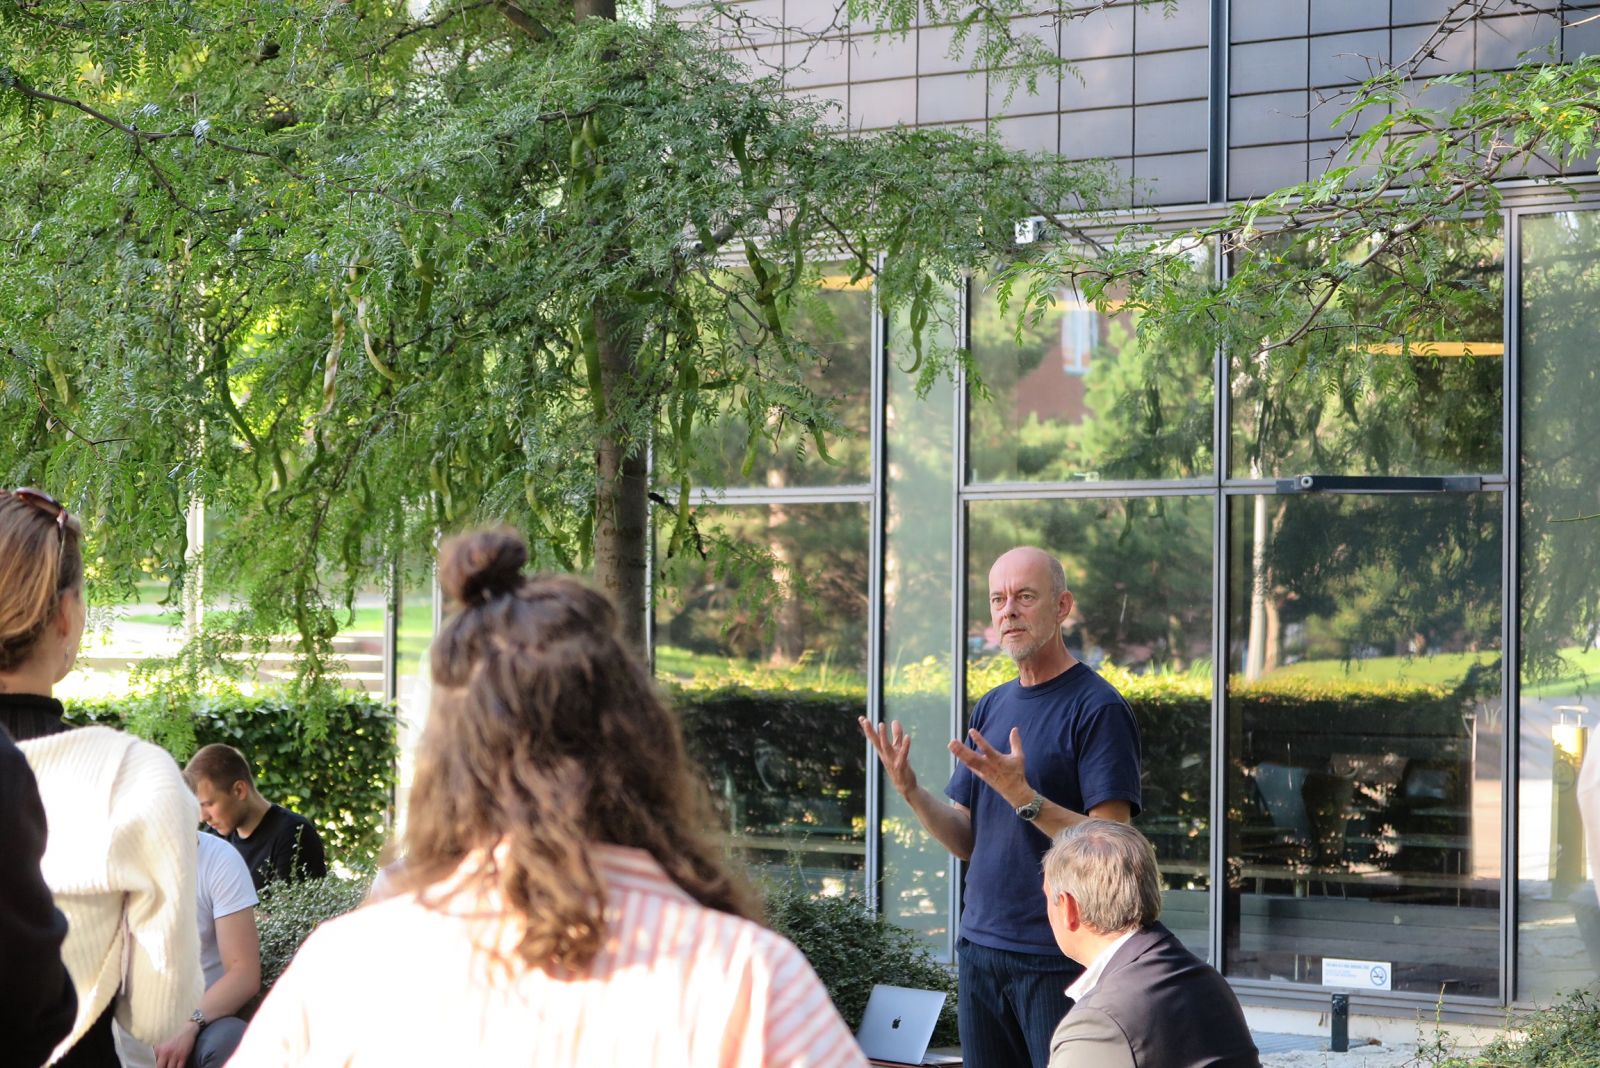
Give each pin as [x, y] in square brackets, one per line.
[898, 1024]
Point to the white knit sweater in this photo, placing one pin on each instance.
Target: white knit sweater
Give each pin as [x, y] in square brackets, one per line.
[121, 863]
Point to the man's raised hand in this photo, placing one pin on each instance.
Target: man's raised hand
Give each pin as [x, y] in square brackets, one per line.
[1004, 772]
[893, 746]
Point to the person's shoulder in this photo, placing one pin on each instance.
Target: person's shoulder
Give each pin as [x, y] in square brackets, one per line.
[1095, 689]
[997, 695]
[292, 819]
[1153, 954]
[103, 745]
[219, 853]
[375, 939]
[12, 763]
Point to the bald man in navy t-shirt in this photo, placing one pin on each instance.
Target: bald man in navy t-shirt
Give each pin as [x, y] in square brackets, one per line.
[1053, 746]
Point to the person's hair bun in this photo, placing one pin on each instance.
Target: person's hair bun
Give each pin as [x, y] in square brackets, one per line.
[473, 568]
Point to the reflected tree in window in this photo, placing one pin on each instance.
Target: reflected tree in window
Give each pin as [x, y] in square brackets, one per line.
[1080, 394]
[763, 642]
[815, 383]
[1559, 917]
[1417, 393]
[1365, 728]
[1140, 572]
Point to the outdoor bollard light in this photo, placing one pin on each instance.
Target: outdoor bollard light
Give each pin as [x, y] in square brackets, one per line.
[1339, 1024]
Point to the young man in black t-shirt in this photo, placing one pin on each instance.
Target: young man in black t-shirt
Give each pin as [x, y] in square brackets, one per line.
[275, 843]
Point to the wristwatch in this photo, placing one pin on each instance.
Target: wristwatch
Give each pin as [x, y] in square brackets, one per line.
[1031, 810]
[198, 1018]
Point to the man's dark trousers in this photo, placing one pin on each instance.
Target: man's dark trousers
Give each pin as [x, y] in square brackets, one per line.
[1009, 1005]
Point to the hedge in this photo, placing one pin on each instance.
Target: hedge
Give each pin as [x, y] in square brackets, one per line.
[341, 778]
[795, 758]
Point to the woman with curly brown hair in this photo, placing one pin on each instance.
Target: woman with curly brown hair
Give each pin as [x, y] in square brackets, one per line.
[563, 899]
[120, 857]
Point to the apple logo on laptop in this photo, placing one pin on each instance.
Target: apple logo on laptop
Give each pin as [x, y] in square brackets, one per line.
[895, 1024]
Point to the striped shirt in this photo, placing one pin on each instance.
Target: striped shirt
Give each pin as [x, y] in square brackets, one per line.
[677, 984]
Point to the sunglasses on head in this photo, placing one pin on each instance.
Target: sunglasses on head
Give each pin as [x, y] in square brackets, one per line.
[45, 503]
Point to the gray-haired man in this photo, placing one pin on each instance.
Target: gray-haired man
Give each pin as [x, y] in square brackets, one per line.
[1143, 999]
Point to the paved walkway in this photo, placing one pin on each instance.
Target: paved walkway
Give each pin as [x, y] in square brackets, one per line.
[1358, 1057]
[1306, 1051]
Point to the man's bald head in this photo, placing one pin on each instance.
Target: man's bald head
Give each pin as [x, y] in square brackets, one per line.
[1029, 556]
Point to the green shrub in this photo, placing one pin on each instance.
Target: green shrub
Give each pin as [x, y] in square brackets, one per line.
[851, 950]
[1565, 1035]
[289, 912]
[342, 779]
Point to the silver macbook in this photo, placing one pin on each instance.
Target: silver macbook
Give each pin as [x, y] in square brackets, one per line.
[899, 1023]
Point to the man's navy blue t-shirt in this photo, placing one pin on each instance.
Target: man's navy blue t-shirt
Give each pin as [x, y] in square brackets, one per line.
[1081, 745]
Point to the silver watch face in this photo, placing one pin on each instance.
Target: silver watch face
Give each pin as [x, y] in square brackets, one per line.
[1032, 809]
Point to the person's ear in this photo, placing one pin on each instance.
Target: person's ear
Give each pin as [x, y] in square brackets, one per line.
[240, 789]
[1064, 606]
[63, 620]
[1069, 909]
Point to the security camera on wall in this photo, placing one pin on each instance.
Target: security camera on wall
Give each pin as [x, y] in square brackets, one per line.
[1027, 231]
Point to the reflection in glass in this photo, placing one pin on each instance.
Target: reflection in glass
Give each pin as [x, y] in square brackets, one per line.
[1081, 398]
[1558, 943]
[1364, 738]
[1308, 410]
[829, 339]
[918, 606]
[1140, 572]
[764, 644]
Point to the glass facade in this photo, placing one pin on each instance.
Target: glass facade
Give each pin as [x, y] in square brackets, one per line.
[770, 677]
[1337, 765]
[1140, 571]
[1436, 410]
[918, 628]
[1558, 802]
[1080, 398]
[1365, 733]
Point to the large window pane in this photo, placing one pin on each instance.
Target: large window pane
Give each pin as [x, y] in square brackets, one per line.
[1140, 572]
[830, 355]
[918, 619]
[1317, 409]
[1364, 734]
[1558, 943]
[1081, 397]
[765, 652]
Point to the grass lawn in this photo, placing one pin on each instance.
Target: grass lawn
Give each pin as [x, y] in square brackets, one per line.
[674, 663]
[416, 619]
[1442, 669]
[1579, 671]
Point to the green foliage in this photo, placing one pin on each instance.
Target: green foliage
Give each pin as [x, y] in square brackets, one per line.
[779, 758]
[793, 760]
[341, 779]
[374, 276]
[851, 950]
[1341, 289]
[1564, 1035]
[290, 911]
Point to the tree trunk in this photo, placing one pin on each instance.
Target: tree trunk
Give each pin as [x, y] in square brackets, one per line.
[622, 495]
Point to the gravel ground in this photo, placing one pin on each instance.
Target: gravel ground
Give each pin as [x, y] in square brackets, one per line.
[1358, 1057]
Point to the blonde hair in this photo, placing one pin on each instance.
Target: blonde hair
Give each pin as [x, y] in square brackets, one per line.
[39, 561]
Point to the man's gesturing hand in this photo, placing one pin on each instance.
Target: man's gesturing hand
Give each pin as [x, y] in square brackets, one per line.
[1002, 771]
[893, 746]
